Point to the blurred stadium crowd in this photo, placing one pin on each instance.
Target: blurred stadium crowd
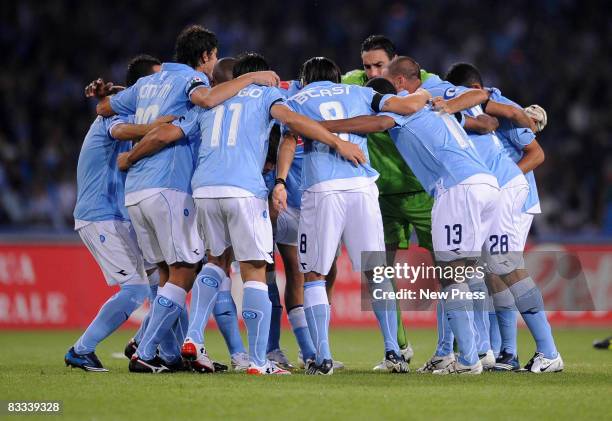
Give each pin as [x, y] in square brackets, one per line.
[555, 53]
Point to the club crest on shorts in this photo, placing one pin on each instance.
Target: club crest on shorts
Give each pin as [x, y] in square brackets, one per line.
[186, 212]
[211, 282]
[102, 238]
[249, 315]
[265, 214]
[163, 301]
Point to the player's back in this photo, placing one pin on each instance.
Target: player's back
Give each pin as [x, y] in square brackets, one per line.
[100, 184]
[488, 145]
[437, 148]
[164, 93]
[513, 140]
[234, 141]
[325, 100]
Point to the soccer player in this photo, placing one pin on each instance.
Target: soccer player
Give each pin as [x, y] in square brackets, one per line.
[444, 159]
[103, 223]
[507, 240]
[230, 193]
[158, 191]
[333, 188]
[224, 310]
[404, 204]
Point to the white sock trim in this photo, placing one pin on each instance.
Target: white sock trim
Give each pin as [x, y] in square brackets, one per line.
[314, 296]
[174, 293]
[226, 284]
[216, 268]
[297, 317]
[256, 285]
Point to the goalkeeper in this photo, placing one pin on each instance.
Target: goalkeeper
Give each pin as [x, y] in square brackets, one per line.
[404, 204]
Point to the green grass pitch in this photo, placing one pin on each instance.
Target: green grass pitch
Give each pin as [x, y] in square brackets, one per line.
[31, 367]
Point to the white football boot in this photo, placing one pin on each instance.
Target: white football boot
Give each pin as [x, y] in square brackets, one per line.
[540, 364]
[488, 360]
[457, 368]
[437, 363]
[240, 361]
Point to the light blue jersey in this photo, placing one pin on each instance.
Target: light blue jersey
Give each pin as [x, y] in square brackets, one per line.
[323, 169]
[294, 177]
[100, 184]
[488, 145]
[436, 148]
[234, 140]
[514, 139]
[164, 93]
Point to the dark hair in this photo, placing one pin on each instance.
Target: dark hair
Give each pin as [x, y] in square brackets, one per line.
[381, 85]
[192, 42]
[319, 68]
[140, 66]
[379, 42]
[249, 62]
[463, 74]
[222, 72]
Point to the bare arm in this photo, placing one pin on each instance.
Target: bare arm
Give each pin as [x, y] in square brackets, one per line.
[211, 97]
[361, 125]
[468, 99]
[153, 141]
[128, 131]
[309, 128]
[286, 153]
[104, 108]
[406, 105]
[514, 114]
[533, 156]
[481, 124]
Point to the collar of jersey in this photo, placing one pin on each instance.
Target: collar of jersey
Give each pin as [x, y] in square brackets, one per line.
[319, 83]
[431, 81]
[175, 66]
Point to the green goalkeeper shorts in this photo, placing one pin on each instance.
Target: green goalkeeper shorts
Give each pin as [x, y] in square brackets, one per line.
[401, 213]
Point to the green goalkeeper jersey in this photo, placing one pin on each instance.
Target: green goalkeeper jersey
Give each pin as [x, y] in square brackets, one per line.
[395, 175]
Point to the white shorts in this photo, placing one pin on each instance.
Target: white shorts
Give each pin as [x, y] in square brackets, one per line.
[504, 244]
[287, 225]
[240, 222]
[328, 217]
[113, 245]
[165, 226]
[461, 218]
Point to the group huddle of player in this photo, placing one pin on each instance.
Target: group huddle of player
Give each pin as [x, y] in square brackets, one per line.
[201, 162]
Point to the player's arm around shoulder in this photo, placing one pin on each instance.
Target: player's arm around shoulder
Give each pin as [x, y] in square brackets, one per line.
[363, 124]
[286, 154]
[467, 99]
[155, 140]
[311, 129]
[207, 97]
[406, 105]
[482, 123]
[130, 131]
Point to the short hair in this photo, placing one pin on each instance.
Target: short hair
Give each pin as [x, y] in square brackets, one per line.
[249, 62]
[318, 69]
[464, 74]
[222, 72]
[379, 42]
[192, 42]
[404, 66]
[140, 66]
[381, 85]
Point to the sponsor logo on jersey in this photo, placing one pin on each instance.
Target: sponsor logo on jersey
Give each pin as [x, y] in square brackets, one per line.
[450, 92]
